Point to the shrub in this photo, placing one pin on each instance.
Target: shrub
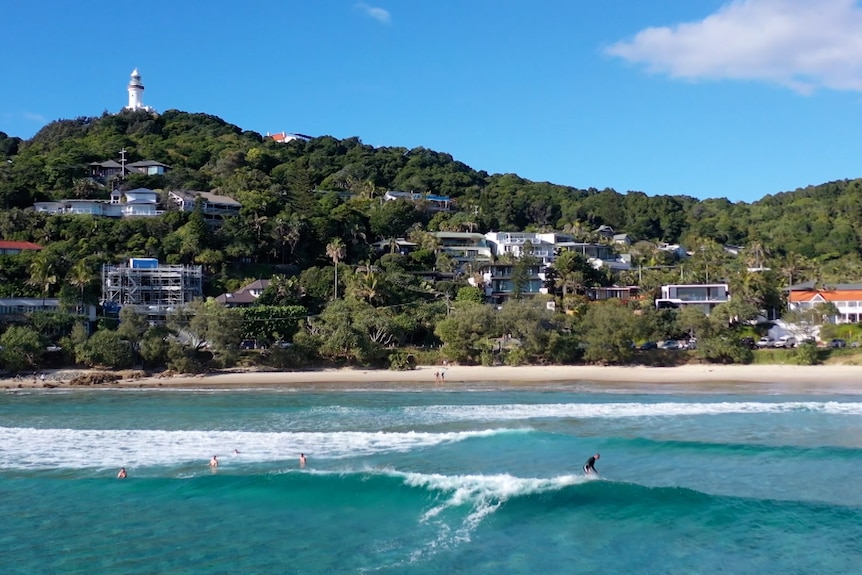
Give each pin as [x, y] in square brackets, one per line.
[806, 354]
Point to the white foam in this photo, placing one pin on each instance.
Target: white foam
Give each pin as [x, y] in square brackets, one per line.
[29, 448]
[439, 413]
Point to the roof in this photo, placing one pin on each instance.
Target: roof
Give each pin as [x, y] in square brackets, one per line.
[16, 245]
[829, 295]
[255, 285]
[146, 163]
[108, 164]
[141, 191]
[191, 195]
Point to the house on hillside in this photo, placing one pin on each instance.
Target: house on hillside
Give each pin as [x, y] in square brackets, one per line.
[14, 309]
[137, 202]
[846, 297]
[285, 137]
[105, 170]
[703, 296]
[432, 202]
[464, 247]
[244, 296]
[500, 281]
[148, 167]
[214, 207]
[12, 248]
[395, 245]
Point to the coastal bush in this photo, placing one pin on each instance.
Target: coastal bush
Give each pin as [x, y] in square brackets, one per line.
[21, 348]
[723, 349]
[806, 354]
[401, 361]
[516, 356]
[107, 349]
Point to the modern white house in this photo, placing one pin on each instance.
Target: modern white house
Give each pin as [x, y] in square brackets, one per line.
[703, 296]
[464, 247]
[137, 202]
[518, 244]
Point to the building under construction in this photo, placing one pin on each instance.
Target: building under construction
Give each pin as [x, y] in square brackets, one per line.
[154, 290]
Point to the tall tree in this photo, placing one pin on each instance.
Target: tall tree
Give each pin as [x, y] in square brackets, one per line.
[336, 250]
[43, 274]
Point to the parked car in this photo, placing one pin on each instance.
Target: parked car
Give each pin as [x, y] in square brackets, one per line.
[765, 341]
[748, 342]
[648, 345]
[785, 341]
[837, 342]
[670, 344]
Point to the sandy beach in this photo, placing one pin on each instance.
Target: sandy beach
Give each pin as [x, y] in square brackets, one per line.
[825, 378]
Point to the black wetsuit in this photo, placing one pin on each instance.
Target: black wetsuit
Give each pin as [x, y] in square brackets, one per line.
[589, 466]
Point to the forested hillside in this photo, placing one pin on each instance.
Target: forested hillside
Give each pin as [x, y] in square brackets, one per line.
[311, 208]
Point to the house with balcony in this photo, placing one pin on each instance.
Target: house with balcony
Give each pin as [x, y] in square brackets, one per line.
[465, 247]
[540, 246]
[846, 297]
[501, 281]
[702, 296]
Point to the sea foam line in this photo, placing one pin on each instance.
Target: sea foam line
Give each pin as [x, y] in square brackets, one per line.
[437, 413]
[30, 448]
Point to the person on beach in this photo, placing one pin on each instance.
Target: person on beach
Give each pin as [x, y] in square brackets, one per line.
[122, 474]
[214, 461]
[302, 460]
[590, 465]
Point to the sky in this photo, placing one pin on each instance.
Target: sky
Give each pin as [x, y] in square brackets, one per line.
[731, 99]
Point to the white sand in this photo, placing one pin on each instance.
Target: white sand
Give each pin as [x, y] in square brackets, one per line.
[823, 378]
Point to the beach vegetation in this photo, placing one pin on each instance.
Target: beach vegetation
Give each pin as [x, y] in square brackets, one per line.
[21, 348]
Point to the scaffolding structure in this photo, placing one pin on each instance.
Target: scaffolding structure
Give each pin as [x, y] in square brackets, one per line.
[153, 289]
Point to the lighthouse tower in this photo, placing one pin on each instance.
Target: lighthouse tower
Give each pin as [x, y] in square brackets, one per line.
[136, 93]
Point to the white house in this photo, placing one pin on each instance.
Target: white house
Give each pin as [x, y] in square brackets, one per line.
[703, 296]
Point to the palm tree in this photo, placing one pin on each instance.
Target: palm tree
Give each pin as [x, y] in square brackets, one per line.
[336, 251]
[42, 274]
[80, 277]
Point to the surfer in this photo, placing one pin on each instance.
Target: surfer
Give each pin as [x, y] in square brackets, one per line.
[214, 461]
[122, 473]
[302, 460]
[590, 465]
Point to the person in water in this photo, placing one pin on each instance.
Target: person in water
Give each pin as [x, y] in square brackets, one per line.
[302, 460]
[590, 465]
[122, 474]
[214, 461]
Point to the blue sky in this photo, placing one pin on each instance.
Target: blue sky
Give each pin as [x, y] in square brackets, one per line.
[708, 98]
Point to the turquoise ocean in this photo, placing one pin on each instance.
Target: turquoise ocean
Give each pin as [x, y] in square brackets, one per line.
[482, 479]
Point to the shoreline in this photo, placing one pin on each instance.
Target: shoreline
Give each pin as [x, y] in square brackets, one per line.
[818, 379]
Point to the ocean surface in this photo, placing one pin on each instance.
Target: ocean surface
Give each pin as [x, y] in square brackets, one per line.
[485, 480]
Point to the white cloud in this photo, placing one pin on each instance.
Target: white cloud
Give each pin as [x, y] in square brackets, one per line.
[379, 14]
[801, 44]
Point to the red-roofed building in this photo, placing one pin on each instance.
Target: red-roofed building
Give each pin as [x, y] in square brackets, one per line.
[285, 137]
[846, 297]
[11, 248]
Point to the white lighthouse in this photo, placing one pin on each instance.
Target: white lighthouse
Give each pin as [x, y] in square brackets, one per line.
[136, 93]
